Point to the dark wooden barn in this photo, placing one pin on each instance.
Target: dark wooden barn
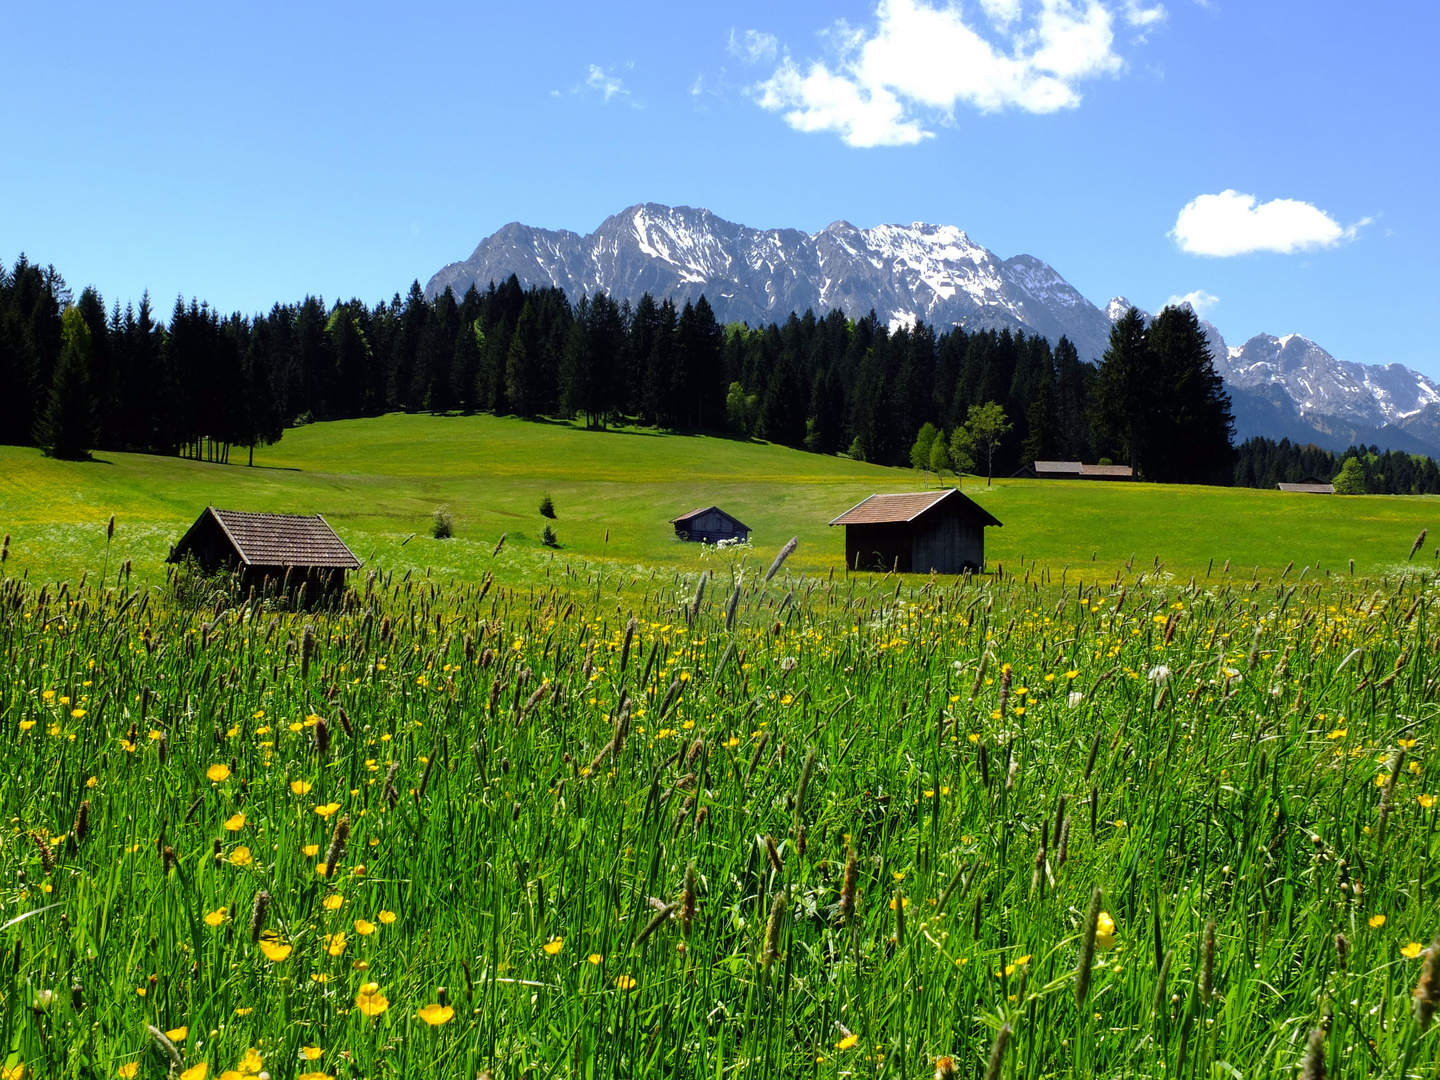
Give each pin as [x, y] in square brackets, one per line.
[918, 532]
[710, 525]
[272, 552]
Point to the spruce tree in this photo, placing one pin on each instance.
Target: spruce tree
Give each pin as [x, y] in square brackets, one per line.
[1195, 426]
[17, 379]
[1126, 392]
[67, 425]
[521, 366]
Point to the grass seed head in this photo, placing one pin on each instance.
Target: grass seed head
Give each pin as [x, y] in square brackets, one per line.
[687, 899]
[772, 853]
[336, 851]
[1161, 980]
[770, 952]
[1427, 989]
[1207, 962]
[997, 1053]
[1342, 950]
[81, 829]
[1314, 1066]
[166, 1047]
[307, 648]
[258, 910]
[848, 888]
[47, 856]
[1087, 948]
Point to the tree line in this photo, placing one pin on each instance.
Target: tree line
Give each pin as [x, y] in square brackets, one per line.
[200, 382]
[1263, 463]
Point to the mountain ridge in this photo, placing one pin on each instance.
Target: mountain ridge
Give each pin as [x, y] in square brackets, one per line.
[1286, 386]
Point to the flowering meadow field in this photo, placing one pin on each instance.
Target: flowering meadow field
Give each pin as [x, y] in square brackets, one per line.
[618, 824]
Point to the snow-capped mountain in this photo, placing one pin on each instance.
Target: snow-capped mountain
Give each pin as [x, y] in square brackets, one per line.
[1289, 387]
[905, 273]
[1281, 387]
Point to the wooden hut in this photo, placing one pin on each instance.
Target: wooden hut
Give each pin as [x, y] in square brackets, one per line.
[270, 551]
[710, 525]
[917, 532]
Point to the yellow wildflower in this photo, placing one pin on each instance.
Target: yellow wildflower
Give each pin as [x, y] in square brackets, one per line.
[370, 1001]
[435, 1015]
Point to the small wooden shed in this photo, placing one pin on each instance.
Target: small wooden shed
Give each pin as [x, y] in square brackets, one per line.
[279, 551]
[710, 525]
[917, 532]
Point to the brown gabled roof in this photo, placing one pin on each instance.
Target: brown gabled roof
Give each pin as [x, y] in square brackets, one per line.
[706, 509]
[278, 539]
[905, 507]
[1318, 488]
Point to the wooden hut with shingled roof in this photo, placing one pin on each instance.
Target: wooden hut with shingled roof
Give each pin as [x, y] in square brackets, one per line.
[710, 525]
[917, 532]
[271, 552]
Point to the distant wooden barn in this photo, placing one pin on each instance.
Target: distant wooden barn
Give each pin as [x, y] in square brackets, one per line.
[1078, 470]
[270, 551]
[917, 532]
[710, 525]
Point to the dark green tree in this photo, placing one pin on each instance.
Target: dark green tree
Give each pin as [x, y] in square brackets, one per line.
[67, 426]
[1126, 400]
[1195, 428]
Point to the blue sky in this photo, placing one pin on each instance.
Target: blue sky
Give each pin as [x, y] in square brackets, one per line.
[253, 153]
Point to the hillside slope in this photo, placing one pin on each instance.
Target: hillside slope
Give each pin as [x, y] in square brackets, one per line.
[378, 480]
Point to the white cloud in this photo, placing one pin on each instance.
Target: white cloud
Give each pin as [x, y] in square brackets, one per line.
[1138, 15]
[608, 85]
[753, 46]
[926, 59]
[1200, 300]
[1234, 224]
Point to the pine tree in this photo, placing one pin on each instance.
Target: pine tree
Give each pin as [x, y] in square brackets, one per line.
[17, 378]
[1126, 391]
[1195, 426]
[67, 426]
[522, 364]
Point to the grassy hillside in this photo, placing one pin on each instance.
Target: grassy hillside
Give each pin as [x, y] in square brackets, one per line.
[377, 480]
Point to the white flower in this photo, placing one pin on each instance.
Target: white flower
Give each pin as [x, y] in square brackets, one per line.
[1074, 699]
[1230, 673]
[1158, 673]
[788, 663]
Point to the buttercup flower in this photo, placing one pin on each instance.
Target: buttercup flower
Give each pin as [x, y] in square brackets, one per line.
[435, 1015]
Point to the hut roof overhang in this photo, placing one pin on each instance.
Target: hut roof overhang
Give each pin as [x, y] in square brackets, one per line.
[275, 539]
[907, 507]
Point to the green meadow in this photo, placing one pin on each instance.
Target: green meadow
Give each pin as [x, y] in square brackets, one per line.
[378, 480]
[1121, 811]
